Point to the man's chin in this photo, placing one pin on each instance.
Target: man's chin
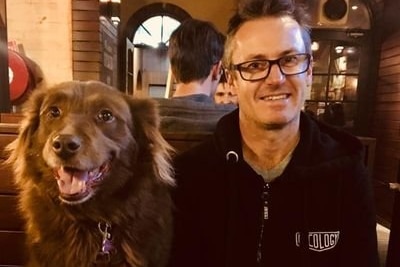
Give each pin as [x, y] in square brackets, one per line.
[274, 126]
[279, 123]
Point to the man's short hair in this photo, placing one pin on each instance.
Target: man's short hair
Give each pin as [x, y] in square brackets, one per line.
[254, 9]
[194, 47]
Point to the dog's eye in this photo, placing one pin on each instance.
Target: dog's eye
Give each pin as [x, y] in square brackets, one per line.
[105, 115]
[54, 112]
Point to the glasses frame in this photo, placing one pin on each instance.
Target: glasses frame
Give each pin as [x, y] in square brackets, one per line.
[271, 63]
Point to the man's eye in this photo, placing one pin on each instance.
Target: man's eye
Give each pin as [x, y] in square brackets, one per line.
[290, 60]
[105, 115]
[255, 65]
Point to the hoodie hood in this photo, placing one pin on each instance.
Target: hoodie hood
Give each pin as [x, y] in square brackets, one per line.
[320, 144]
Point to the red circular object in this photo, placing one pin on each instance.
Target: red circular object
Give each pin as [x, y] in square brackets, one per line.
[18, 75]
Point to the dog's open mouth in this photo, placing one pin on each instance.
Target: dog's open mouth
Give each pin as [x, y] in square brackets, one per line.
[75, 185]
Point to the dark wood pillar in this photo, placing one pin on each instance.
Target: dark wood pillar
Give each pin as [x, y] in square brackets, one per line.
[5, 105]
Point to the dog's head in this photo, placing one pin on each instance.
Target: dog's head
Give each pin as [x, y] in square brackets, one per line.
[78, 136]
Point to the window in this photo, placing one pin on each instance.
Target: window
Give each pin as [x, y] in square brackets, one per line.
[333, 95]
[155, 31]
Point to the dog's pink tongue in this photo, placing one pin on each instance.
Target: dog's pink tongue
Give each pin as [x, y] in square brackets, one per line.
[71, 182]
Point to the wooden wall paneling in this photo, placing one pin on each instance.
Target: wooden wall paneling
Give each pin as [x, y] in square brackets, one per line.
[12, 237]
[387, 97]
[389, 61]
[387, 88]
[12, 248]
[388, 80]
[85, 36]
[86, 55]
[90, 15]
[86, 26]
[6, 181]
[86, 46]
[85, 5]
[86, 66]
[85, 75]
[389, 52]
[386, 126]
[109, 44]
[388, 105]
[394, 69]
[10, 218]
[391, 114]
[94, 44]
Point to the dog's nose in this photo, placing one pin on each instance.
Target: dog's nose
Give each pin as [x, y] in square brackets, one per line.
[66, 145]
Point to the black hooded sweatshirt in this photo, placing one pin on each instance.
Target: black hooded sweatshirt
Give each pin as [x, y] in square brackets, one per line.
[320, 210]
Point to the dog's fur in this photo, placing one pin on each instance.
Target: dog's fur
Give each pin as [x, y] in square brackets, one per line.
[87, 154]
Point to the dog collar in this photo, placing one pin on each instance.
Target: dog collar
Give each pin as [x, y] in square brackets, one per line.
[108, 254]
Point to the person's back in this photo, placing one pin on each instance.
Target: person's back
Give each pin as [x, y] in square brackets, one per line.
[195, 51]
[195, 113]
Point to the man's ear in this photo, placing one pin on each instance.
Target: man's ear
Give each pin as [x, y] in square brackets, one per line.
[216, 71]
[309, 73]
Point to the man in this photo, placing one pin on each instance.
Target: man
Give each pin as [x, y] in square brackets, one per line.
[273, 187]
[195, 51]
[224, 94]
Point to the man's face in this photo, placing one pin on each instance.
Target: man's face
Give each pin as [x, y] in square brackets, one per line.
[277, 99]
[224, 94]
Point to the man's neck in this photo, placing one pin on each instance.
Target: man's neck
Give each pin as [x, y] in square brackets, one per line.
[195, 87]
[265, 148]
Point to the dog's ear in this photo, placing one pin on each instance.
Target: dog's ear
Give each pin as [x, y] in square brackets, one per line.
[28, 126]
[146, 129]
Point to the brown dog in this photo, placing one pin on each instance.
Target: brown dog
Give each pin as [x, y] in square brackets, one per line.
[94, 176]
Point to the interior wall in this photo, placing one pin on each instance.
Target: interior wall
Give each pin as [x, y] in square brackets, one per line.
[44, 30]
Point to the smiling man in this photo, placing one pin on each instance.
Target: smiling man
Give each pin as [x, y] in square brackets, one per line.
[273, 181]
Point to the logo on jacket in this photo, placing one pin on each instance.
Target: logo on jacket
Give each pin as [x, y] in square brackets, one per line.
[320, 241]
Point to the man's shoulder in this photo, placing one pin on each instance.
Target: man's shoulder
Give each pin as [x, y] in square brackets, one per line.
[328, 142]
[187, 115]
[167, 104]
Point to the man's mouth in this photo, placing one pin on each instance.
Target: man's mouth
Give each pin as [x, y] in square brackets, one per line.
[275, 97]
[75, 185]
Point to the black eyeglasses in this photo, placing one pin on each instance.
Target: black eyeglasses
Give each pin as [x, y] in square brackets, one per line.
[259, 69]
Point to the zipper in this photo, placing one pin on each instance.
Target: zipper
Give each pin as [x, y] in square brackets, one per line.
[264, 218]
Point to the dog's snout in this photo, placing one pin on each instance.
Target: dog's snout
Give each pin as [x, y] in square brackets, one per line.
[66, 145]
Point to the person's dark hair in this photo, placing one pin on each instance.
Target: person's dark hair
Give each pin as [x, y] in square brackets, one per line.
[254, 9]
[194, 47]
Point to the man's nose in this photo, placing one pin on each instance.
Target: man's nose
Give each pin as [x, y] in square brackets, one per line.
[275, 75]
[226, 99]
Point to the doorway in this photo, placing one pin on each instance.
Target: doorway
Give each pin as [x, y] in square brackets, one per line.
[144, 45]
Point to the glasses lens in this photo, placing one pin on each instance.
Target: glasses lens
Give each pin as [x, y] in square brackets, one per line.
[254, 70]
[294, 64]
